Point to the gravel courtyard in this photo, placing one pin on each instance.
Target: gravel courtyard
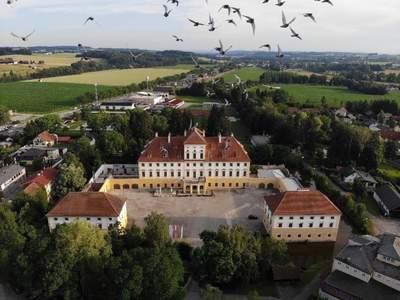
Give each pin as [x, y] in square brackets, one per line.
[196, 214]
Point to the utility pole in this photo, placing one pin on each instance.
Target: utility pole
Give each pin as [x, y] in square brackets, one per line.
[97, 95]
[147, 80]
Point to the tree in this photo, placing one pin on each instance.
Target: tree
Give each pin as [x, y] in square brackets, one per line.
[217, 122]
[48, 122]
[110, 144]
[156, 230]
[4, 115]
[211, 293]
[71, 178]
[74, 262]
[11, 243]
[89, 155]
[253, 295]
[373, 154]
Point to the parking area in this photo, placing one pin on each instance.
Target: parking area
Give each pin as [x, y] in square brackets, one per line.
[197, 214]
[383, 224]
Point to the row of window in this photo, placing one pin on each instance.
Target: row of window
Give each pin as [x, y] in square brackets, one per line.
[310, 225]
[194, 164]
[302, 218]
[87, 219]
[151, 186]
[216, 173]
[194, 156]
[300, 236]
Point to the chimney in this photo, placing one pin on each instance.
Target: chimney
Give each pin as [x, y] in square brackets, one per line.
[219, 138]
[169, 138]
[204, 133]
[156, 134]
[184, 133]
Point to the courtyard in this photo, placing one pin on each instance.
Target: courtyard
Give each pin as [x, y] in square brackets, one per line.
[197, 214]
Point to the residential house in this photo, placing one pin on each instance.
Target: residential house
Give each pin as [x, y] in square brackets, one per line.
[39, 153]
[117, 106]
[367, 268]
[345, 115]
[102, 210]
[260, 140]
[388, 200]
[10, 176]
[350, 175]
[45, 139]
[300, 216]
[43, 180]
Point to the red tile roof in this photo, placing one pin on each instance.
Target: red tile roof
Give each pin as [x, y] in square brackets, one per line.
[229, 150]
[47, 136]
[390, 135]
[195, 137]
[301, 203]
[40, 180]
[90, 204]
[64, 139]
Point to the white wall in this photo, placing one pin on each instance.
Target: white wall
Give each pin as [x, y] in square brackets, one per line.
[390, 282]
[306, 220]
[13, 179]
[191, 170]
[105, 222]
[345, 268]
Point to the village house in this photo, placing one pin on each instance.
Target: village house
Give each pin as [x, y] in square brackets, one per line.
[45, 139]
[350, 175]
[10, 176]
[366, 268]
[300, 216]
[388, 199]
[43, 180]
[102, 210]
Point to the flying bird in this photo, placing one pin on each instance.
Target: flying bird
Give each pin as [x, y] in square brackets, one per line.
[178, 39]
[237, 11]
[89, 19]
[279, 3]
[227, 7]
[196, 63]
[252, 22]
[280, 53]
[266, 46]
[174, 2]
[135, 57]
[286, 24]
[9, 2]
[167, 11]
[327, 1]
[23, 38]
[195, 23]
[295, 34]
[221, 49]
[311, 16]
[231, 21]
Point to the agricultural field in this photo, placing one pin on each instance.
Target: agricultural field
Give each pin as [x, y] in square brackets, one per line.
[37, 97]
[335, 96]
[50, 61]
[121, 77]
[244, 73]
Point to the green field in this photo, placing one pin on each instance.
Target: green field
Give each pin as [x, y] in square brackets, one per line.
[35, 97]
[244, 73]
[335, 96]
[50, 61]
[120, 77]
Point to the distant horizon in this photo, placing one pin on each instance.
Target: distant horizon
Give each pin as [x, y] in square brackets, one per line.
[211, 51]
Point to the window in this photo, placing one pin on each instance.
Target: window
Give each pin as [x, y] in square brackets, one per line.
[201, 156]
[299, 236]
[280, 218]
[165, 174]
[172, 174]
[187, 174]
[98, 219]
[244, 173]
[224, 164]
[55, 219]
[142, 165]
[278, 235]
[209, 174]
[310, 225]
[319, 235]
[158, 174]
[301, 218]
[87, 219]
[150, 164]
[312, 218]
[230, 173]
[165, 164]
[158, 164]
[100, 226]
[332, 218]
[329, 235]
[291, 218]
[309, 235]
[321, 225]
[194, 155]
[237, 174]
[290, 225]
[179, 173]
[223, 184]
[301, 225]
[280, 225]
[223, 173]
[289, 236]
[187, 155]
[151, 174]
[216, 184]
[322, 218]
[110, 219]
[143, 174]
[331, 225]
[66, 219]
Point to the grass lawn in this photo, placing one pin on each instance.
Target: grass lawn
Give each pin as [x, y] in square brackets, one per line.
[390, 173]
[50, 61]
[36, 97]
[119, 77]
[244, 73]
[335, 96]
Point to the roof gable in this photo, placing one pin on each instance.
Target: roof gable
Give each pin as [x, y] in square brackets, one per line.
[89, 204]
[301, 203]
[195, 137]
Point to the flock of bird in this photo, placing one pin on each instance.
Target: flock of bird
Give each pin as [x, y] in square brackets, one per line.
[232, 11]
[221, 49]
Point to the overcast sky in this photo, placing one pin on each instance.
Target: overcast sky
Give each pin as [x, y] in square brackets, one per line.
[349, 25]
